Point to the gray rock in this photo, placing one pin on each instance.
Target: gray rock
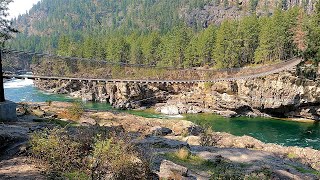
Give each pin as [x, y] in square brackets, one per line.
[160, 131]
[170, 110]
[194, 130]
[21, 111]
[160, 142]
[227, 113]
[194, 110]
[35, 110]
[88, 96]
[170, 170]
[87, 121]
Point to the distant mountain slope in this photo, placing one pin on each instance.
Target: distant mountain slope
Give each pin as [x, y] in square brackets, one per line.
[46, 21]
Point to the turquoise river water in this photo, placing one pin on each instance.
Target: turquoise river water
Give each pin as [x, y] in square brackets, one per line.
[268, 130]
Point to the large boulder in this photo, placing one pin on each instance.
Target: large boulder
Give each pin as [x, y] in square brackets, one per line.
[85, 120]
[170, 170]
[35, 110]
[160, 131]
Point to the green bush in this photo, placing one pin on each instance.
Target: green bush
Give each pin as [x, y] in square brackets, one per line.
[56, 150]
[208, 138]
[78, 153]
[208, 85]
[74, 112]
[119, 156]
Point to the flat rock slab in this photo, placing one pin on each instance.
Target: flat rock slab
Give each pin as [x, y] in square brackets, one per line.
[19, 169]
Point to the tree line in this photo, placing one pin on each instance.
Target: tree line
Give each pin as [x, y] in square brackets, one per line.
[235, 43]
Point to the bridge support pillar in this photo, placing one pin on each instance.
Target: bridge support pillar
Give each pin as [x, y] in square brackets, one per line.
[8, 111]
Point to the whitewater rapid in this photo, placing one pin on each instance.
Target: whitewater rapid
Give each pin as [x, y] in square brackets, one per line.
[18, 83]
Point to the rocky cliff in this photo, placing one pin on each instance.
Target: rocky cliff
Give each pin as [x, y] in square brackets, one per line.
[120, 95]
[281, 95]
[217, 11]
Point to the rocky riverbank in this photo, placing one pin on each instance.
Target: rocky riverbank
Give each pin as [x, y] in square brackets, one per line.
[285, 95]
[207, 152]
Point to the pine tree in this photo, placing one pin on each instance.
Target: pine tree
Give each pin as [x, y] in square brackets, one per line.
[207, 39]
[6, 30]
[313, 51]
[299, 34]
[264, 51]
[226, 52]
[248, 38]
[150, 47]
[193, 53]
[64, 46]
[272, 39]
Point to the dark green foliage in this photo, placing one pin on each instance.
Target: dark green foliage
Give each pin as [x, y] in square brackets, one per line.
[6, 30]
[156, 35]
[76, 110]
[313, 50]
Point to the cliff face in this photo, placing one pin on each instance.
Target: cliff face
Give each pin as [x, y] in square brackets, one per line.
[120, 95]
[219, 10]
[280, 95]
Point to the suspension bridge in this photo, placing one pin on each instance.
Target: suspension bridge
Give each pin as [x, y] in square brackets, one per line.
[59, 64]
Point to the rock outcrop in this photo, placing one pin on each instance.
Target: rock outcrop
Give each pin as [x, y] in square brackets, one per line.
[215, 12]
[281, 95]
[119, 95]
[229, 155]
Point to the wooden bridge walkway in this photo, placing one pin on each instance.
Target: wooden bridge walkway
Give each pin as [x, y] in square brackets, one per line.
[287, 66]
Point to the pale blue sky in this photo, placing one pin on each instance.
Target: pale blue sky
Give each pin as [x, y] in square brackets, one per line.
[20, 7]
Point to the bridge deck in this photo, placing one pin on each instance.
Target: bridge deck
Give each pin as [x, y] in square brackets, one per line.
[286, 67]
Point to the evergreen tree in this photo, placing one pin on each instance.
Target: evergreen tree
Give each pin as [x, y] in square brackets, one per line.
[272, 39]
[266, 37]
[64, 48]
[150, 47]
[248, 34]
[193, 53]
[313, 51]
[226, 52]
[299, 37]
[6, 30]
[206, 45]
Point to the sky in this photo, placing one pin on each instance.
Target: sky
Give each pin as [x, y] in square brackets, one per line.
[20, 7]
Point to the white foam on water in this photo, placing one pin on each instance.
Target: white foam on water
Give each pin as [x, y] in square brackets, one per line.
[175, 116]
[18, 83]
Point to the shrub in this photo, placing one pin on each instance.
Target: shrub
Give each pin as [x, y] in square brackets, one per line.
[208, 138]
[291, 155]
[77, 175]
[78, 153]
[119, 156]
[56, 150]
[208, 85]
[74, 112]
[183, 153]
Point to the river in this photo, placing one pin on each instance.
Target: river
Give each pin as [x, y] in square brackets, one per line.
[268, 130]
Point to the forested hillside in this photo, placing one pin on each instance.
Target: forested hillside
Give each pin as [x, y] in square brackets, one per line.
[184, 33]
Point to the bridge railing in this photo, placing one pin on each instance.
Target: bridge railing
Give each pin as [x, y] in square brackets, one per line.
[58, 66]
